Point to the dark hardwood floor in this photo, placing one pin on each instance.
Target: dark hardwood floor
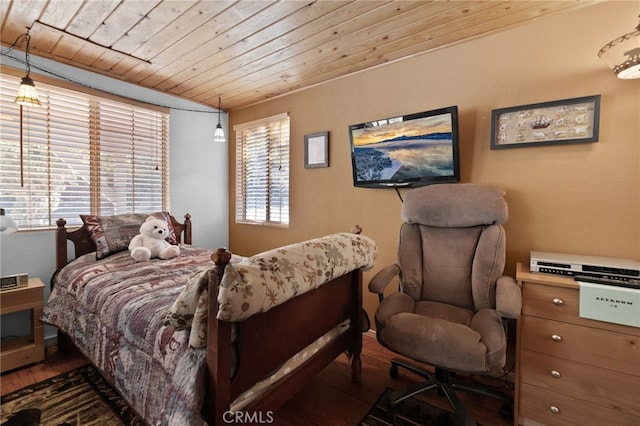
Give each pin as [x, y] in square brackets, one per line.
[329, 399]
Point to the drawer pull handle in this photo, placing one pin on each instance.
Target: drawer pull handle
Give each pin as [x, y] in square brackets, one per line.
[555, 374]
[556, 338]
[558, 302]
[554, 409]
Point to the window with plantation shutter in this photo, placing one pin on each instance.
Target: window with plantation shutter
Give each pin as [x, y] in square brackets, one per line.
[262, 171]
[81, 154]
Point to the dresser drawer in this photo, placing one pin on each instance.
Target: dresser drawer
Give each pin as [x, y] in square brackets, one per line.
[596, 347]
[596, 363]
[550, 302]
[599, 386]
[539, 406]
[563, 304]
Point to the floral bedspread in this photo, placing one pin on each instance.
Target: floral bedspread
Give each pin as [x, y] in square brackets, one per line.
[258, 283]
[114, 310]
[261, 282]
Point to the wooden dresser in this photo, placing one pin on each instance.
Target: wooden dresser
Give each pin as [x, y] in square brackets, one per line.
[572, 370]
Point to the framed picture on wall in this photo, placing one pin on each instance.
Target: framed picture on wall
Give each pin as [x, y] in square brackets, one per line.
[316, 150]
[573, 120]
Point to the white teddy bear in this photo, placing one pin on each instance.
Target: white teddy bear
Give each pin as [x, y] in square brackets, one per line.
[150, 242]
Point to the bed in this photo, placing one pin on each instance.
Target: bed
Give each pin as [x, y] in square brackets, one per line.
[204, 336]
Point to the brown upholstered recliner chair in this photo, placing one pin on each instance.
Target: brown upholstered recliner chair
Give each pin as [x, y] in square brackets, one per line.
[452, 301]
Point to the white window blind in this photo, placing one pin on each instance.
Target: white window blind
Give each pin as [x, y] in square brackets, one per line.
[262, 171]
[81, 154]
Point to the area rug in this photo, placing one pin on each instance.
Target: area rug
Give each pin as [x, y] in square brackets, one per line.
[78, 398]
[410, 412]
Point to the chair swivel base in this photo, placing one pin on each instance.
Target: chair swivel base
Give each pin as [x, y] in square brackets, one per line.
[446, 385]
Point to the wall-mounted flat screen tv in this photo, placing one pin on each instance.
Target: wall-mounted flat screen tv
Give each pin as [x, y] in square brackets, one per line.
[406, 151]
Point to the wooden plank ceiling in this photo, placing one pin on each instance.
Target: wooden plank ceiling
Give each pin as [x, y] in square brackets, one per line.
[250, 51]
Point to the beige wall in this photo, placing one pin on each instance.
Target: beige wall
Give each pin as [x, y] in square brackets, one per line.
[579, 198]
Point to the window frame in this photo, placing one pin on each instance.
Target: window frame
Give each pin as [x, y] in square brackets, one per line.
[270, 175]
[161, 155]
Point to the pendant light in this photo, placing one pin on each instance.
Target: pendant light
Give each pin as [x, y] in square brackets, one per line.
[27, 95]
[622, 55]
[218, 135]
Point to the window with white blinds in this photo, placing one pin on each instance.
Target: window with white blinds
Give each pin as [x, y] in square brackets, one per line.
[80, 154]
[262, 171]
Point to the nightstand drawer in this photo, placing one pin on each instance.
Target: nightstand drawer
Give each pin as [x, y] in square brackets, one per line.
[539, 406]
[596, 347]
[599, 386]
[22, 298]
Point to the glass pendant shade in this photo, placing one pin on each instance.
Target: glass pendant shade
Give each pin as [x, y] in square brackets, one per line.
[7, 225]
[218, 135]
[27, 94]
[622, 55]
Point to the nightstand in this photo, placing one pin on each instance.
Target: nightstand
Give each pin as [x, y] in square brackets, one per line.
[23, 350]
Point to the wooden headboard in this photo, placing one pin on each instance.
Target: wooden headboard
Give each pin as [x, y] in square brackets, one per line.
[83, 244]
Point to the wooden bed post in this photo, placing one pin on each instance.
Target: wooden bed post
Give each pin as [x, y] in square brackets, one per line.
[186, 238]
[218, 347]
[61, 259]
[61, 243]
[82, 242]
[356, 322]
[356, 319]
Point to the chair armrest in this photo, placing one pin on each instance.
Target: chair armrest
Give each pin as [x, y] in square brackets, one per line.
[383, 278]
[508, 297]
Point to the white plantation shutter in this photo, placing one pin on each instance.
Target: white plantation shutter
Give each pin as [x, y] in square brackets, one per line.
[82, 154]
[262, 171]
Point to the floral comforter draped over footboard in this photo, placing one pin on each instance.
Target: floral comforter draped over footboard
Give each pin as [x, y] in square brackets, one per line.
[261, 282]
[114, 310]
